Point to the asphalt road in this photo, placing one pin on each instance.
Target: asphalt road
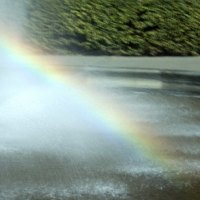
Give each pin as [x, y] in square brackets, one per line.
[54, 146]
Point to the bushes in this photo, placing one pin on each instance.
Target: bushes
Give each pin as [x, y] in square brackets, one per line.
[115, 27]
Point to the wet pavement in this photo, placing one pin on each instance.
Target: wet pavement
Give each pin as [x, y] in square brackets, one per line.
[54, 148]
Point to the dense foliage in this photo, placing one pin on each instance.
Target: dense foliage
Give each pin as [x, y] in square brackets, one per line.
[115, 27]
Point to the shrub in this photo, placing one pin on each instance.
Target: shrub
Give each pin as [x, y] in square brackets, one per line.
[115, 27]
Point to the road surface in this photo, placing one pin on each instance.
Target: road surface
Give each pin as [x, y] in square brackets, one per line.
[53, 146]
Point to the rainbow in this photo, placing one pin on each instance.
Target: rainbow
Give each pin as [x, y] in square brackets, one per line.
[104, 109]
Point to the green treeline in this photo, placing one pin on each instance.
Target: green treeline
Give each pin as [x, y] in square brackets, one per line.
[115, 27]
